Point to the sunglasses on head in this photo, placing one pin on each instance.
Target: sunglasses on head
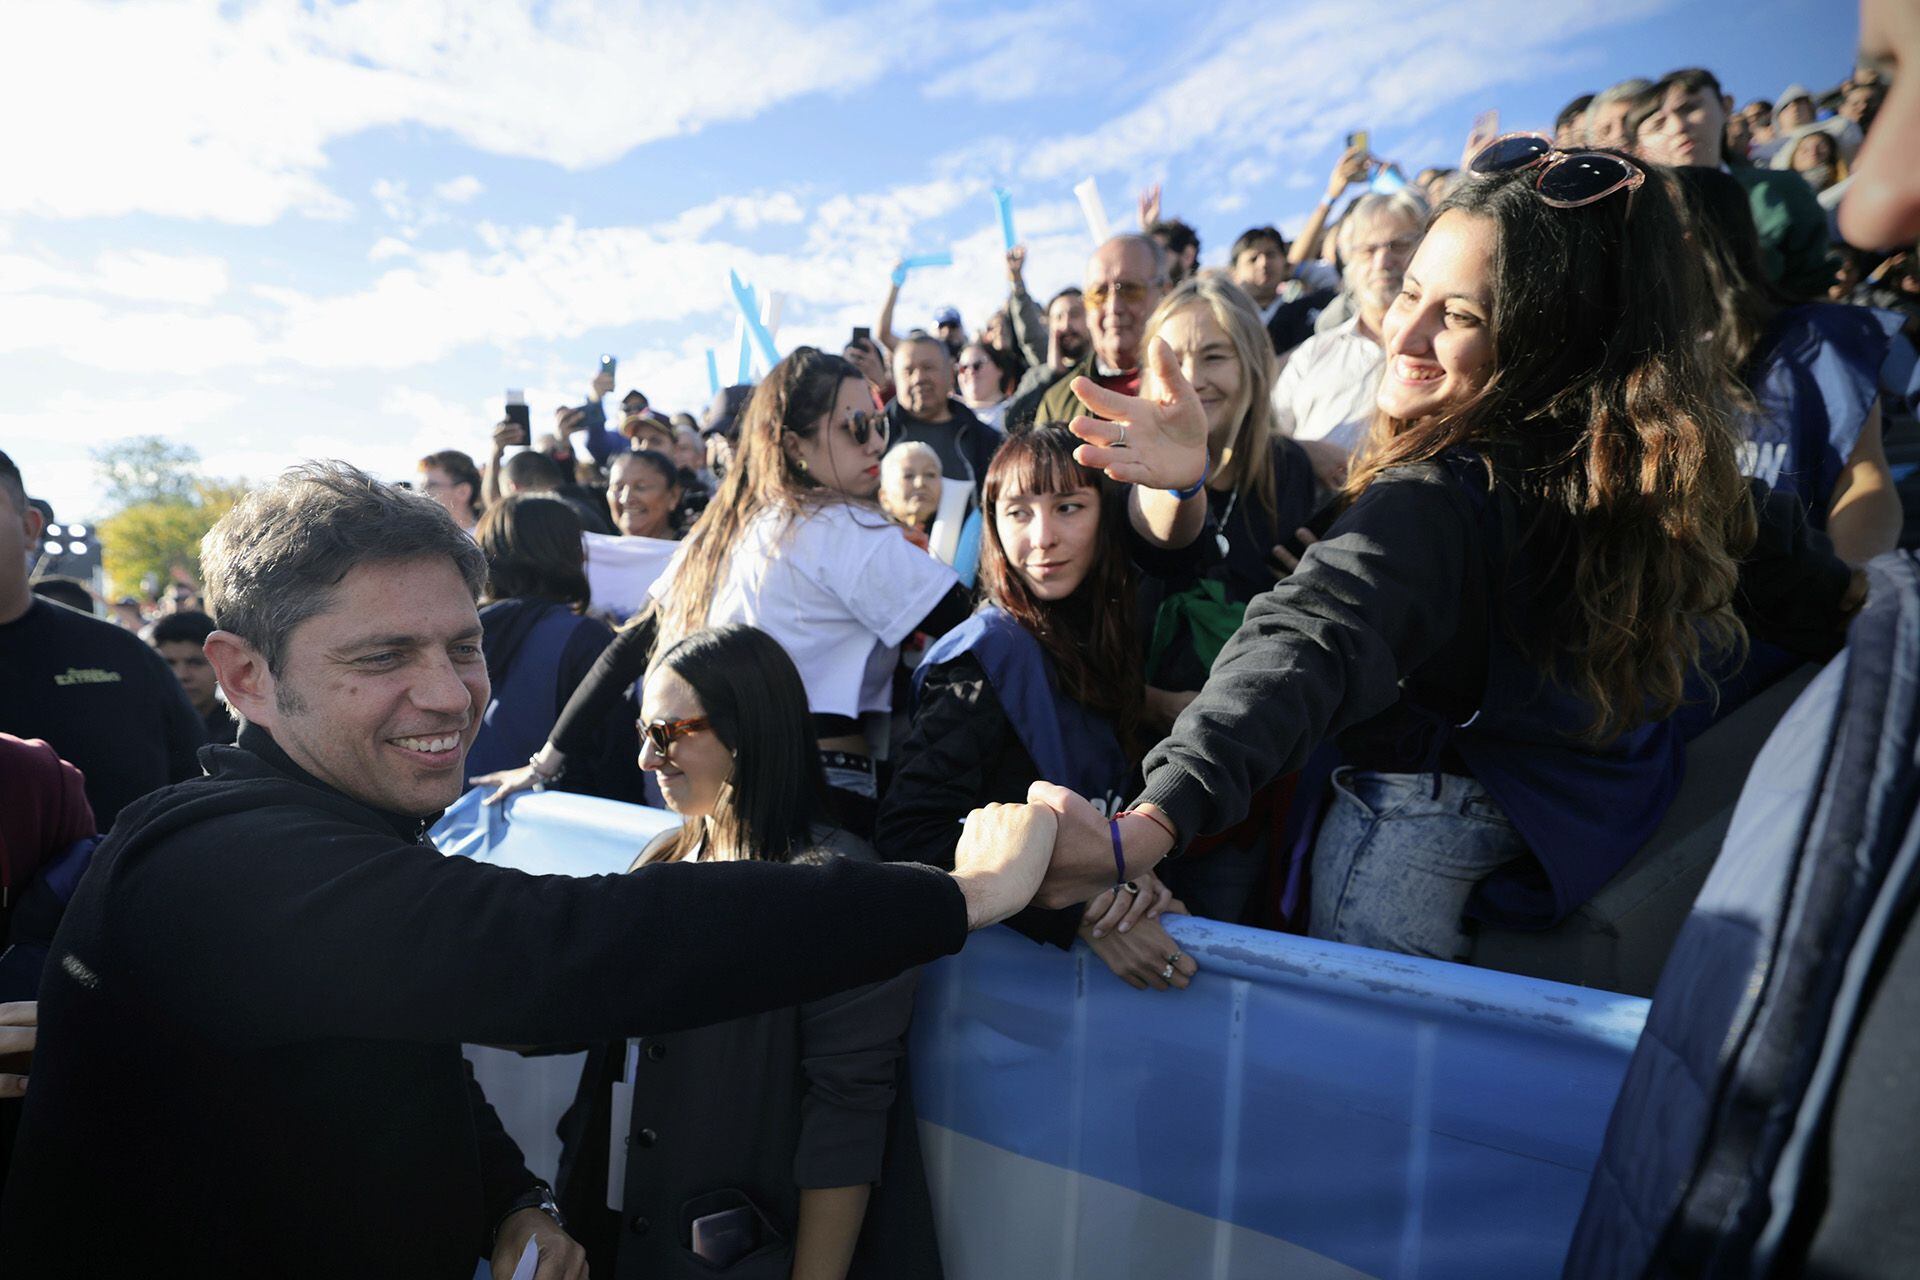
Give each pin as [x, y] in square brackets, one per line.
[1567, 179]
[664, 733]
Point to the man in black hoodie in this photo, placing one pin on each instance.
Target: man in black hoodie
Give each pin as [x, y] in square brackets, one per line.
[250, 1027]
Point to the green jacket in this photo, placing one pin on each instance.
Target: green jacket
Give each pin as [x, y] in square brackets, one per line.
[1792, 227]
[1058, 403]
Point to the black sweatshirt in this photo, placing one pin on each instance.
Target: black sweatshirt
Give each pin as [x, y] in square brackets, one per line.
[104, 700]
[1396, 592]
[249, 1058]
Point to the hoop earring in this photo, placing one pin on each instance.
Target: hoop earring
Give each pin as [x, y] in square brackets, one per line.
[801, 465]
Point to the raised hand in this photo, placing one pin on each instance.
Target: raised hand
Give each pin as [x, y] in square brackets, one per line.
[1001, 857]
[1149, 206]
[1157, 438]
[602, 385]
[1016, 263]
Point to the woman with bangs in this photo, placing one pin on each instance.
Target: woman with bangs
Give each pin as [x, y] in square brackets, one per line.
[1043, 682]
[1540, 544]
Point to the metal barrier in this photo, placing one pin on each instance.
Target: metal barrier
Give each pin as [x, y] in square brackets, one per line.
[1305, 1109]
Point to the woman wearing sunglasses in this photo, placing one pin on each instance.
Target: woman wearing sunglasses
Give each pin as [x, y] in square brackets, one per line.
[793, 543]
[1042, 683]
[1541, 545]
[749, 1147]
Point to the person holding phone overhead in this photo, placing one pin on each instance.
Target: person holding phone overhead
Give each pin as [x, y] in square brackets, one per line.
[752, 1146]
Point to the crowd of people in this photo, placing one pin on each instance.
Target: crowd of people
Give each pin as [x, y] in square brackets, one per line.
[1369, 586]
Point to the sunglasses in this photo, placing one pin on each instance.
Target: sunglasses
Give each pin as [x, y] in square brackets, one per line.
[863, 424]
[1129, 294]
[1567, 179]
[664, 733]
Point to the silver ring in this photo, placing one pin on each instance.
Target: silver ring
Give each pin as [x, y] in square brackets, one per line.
[1176, 957]
[1131, 887]
[1121, 443]
[1167, 973]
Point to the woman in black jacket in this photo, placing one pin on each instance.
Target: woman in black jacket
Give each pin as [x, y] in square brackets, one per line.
[1044, 681]
[752, 1147]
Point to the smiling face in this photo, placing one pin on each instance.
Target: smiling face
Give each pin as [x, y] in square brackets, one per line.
[380, 694]
[1050, 539]
[1438, 333]
[832, 456]
[1067, 326]
[696, 765]
[979, 377]
[1207, 356]
[641, 499]
[1121, 292]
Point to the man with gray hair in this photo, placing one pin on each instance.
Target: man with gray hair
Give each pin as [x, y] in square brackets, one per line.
[1608, 112]
[1324, 395]
[1125, 280]
[249, 1056]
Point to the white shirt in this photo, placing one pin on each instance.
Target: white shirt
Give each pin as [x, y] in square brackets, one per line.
[1327, 389]
[839, 587]
[620, 570]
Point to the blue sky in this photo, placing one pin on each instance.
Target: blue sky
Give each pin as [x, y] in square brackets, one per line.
[281, 230]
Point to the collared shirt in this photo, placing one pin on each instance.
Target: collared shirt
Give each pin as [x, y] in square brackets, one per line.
[1327, 389]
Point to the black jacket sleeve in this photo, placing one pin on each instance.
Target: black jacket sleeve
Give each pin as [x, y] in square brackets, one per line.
[285, 923]
[961, 753]
[954, 608]
[609, 765]
[619, 665]
[1324, 650]
[1791, 583]
[851, 1047]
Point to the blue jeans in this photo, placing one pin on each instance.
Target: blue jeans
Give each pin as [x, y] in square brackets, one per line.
[1394, 864]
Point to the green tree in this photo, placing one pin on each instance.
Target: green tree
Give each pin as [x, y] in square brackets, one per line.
[147, 469]
[153, 538]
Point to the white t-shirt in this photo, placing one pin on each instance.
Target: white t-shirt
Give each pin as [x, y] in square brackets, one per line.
[839, 587]
[1329, 385]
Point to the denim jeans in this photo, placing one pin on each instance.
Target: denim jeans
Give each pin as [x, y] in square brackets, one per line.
[1394, 864]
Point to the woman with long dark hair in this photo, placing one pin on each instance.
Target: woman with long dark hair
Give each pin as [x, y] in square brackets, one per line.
[540, 645]
[1810, 374]
[1042, 682]
[1542, 543]
[749, 1147]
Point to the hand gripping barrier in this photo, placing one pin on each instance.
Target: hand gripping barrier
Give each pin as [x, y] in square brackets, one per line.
[1305, 1109]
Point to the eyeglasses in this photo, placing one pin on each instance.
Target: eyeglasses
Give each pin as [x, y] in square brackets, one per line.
[863, 424]
[664, 733]
[1568, 179]
[1129, 294]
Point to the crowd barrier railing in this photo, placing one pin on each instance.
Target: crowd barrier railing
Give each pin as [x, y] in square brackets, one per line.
[1304, 1109]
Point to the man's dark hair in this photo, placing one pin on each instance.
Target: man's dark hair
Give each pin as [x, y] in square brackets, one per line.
[1572, 109]
[533, 550]
[185, 625]
[11, 481]
[532, 472]
[1071, 291]
[460, 469]
[1691, 80]
[70, 592]
[274, 560]
[1179, 237]
[1253, 236]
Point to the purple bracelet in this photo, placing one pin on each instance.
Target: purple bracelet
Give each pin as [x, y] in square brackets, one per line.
[1119, 855]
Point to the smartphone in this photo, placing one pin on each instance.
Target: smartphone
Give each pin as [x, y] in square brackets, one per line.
[517, 412]
[862, 334]
[606, 365]
[1361, 139]
[726, 1237]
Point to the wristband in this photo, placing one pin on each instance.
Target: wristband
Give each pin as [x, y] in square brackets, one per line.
[1205, 471]
[1163, 825]
[1119, 854]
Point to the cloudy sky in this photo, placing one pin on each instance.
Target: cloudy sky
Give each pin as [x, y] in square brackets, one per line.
[279, 230]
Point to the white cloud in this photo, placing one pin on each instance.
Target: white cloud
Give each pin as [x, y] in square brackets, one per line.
[459, 190]
[201, 109]
[387, 247]
[140, 275]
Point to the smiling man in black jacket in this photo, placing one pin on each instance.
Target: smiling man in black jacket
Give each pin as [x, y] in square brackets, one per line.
[249, 1058]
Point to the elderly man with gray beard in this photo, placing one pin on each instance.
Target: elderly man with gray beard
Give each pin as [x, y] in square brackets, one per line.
[1324, 395]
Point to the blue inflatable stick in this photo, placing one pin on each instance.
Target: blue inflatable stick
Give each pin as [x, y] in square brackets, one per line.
[1387, 182]
[713, 373]
[746, 355]
[940, 259]
[743, 297]
[1003, 201]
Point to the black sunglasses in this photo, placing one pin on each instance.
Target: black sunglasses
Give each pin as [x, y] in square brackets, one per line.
[862, 425]
[1568, 179]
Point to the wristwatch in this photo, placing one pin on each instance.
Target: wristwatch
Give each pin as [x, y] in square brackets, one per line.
[538, 1196]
